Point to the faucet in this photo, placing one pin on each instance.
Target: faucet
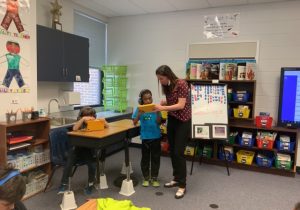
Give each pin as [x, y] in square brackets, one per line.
[52, 99]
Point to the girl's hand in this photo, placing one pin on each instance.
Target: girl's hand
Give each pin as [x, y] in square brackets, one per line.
[140, 113]
[163, 102]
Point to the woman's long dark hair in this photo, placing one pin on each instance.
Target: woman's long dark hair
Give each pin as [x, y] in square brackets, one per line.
[166, 71]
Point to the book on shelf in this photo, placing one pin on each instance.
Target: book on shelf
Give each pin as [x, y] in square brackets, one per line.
[231, 71]
[222, 72]
[18, 146]
[241, 74]
[18, 139]
[250, 70]
[215, 71]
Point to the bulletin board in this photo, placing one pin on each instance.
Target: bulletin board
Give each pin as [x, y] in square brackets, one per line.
[209, 103]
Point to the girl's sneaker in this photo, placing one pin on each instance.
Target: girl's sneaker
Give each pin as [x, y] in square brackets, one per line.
[146, 183]
[155, 183]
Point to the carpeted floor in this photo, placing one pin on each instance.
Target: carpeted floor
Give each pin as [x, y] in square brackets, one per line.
[209, 184]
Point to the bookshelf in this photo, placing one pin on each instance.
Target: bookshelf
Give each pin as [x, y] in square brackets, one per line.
[237, 85]
[34, 158]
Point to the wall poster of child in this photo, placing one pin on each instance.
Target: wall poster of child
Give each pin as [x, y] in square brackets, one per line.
[15, 68]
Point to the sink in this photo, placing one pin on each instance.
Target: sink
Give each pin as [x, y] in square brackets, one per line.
[58, 121]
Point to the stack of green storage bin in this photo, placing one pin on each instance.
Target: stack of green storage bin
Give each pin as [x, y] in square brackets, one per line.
[115, 87]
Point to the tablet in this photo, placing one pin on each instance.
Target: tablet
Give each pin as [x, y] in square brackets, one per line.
[146, 107]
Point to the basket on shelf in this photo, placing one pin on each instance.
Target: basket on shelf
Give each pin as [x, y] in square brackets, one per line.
[241, 113]
[264, 143]
[245, 157]
[228, 153]
[241, 97]
[285, 146]
[263, 121]
[246, 141]
[264, 160]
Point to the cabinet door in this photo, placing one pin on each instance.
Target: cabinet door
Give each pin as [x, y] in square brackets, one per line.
[49, 54]
[76, 58]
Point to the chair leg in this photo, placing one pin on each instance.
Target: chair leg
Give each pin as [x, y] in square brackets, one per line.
[195, 147]
[201, 156]
[226, 161]
[74, 171]
[50, 178]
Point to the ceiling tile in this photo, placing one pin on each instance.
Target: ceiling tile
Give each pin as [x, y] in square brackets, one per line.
[121, 7]
[95, 6]
[112, 8]
[223, 3]
[153, 6]
[189, 4]
[263, 1]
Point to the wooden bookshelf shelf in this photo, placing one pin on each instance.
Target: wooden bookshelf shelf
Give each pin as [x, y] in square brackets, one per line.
[39, 129]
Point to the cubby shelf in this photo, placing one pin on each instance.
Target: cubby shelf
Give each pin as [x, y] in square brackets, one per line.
[39, 129]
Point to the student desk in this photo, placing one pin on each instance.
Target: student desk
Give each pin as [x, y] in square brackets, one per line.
[118, 131]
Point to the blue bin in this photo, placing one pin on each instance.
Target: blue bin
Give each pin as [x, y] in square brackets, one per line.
[285, 146]
[229, 156]
[230, 112]
[242, 97]
[246, 142]
[264, 162]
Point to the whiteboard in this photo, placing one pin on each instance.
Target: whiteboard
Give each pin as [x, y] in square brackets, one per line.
[209, 104]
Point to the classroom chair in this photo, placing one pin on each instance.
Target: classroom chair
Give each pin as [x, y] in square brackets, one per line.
[59, 147]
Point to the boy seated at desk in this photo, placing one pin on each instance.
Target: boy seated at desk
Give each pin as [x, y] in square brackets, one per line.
[81, 153]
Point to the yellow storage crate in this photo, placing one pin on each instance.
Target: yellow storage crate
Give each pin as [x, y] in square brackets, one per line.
[241, 113]
[245, 157]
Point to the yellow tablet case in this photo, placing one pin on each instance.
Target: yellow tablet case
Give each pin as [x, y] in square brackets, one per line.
[95, 125]
[146, 107]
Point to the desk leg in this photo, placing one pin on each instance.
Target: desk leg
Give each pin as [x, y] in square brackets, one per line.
[118, 181]
[101, 177]
[98, 153]
[127, 184]
[127, 159]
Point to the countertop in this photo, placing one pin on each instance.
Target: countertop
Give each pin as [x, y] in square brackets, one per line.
[108, 115]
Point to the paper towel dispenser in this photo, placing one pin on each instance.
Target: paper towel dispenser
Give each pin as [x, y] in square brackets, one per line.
[71, 98]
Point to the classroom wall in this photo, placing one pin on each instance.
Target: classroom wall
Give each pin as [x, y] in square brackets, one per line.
[146, 41]
[48, 90]
[28, 51]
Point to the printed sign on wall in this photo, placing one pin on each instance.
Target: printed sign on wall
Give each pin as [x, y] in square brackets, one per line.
[221, 25]
[15, 68]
